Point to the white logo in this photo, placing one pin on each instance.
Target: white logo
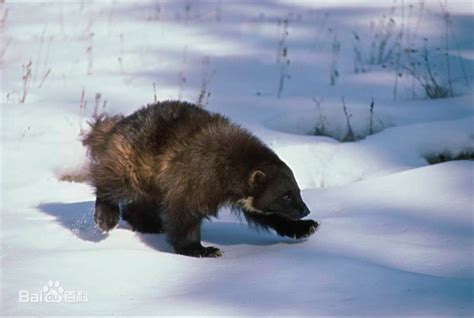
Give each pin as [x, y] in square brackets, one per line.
[52, 292]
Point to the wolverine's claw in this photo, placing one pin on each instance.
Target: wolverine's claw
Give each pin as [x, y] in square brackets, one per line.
[300, 229]
[201, 251]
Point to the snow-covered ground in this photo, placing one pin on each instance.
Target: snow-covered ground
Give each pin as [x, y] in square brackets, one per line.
[396, 235]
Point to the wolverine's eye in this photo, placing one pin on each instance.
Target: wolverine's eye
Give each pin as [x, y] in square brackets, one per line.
[286, 197]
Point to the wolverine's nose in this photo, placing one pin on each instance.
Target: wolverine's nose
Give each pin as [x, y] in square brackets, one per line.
[304, 212]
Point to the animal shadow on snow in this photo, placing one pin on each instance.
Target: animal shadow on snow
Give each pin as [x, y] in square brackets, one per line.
[79, 219]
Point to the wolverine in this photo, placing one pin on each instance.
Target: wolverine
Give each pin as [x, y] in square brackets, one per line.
[171, 164]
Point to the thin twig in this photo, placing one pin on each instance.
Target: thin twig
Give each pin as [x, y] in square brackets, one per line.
[43, 79]
[446, 43]
[371, 123]
[26, 80]
[38, 61]
[349, 136]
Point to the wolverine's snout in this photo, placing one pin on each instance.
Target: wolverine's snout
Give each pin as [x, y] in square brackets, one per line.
[305, 211]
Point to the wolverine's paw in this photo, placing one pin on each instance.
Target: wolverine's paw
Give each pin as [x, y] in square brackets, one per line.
[304, 228]
[300, 229]
[200, 251]
[106, 217]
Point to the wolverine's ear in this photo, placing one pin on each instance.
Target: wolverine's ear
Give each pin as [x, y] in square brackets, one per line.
[256, 178]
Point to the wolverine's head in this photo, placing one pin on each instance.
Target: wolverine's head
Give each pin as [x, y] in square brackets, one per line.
[273, 190]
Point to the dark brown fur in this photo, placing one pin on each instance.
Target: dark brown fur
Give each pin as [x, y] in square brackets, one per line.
[171, 164]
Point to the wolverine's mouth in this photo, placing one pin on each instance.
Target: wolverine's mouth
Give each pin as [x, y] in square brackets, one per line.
[293, 216]
[287, 216]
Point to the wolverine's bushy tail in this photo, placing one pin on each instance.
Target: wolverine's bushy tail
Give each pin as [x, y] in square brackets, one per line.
[100, 128]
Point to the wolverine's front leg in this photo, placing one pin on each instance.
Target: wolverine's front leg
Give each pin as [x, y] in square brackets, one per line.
[106, 214]
[143, 216]
[184, 234]
[284, 227]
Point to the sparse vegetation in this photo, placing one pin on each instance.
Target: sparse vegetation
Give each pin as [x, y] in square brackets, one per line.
[182, 82]
[411, 38]
[155, 98]
[371, 118]
[44, 77]
[443, 157]
[40, 51]
[82, 109]
[26, 76]
[89, 53]
[96, 112]
[334, 72]
[428, 79]
[120, 58]
[447, 22]
[358, 61]
[394, 45]
[345, 132]
[320, 129]
[42, 61]
[398, 51]
[282, 54]
[97, 104]
[349, 135]
[6, 44]
[204, 93]
[382, 32]
[181, 75]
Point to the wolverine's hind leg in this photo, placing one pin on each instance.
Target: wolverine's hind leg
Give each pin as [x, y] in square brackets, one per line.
[107, 213]
[143, 216]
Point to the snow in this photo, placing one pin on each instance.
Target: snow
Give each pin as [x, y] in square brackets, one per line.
[396, 235]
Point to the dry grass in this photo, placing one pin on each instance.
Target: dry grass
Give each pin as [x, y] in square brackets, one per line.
[443, 157]
[204, 93]
[26, 76]
[282, 54]
[323, 127]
